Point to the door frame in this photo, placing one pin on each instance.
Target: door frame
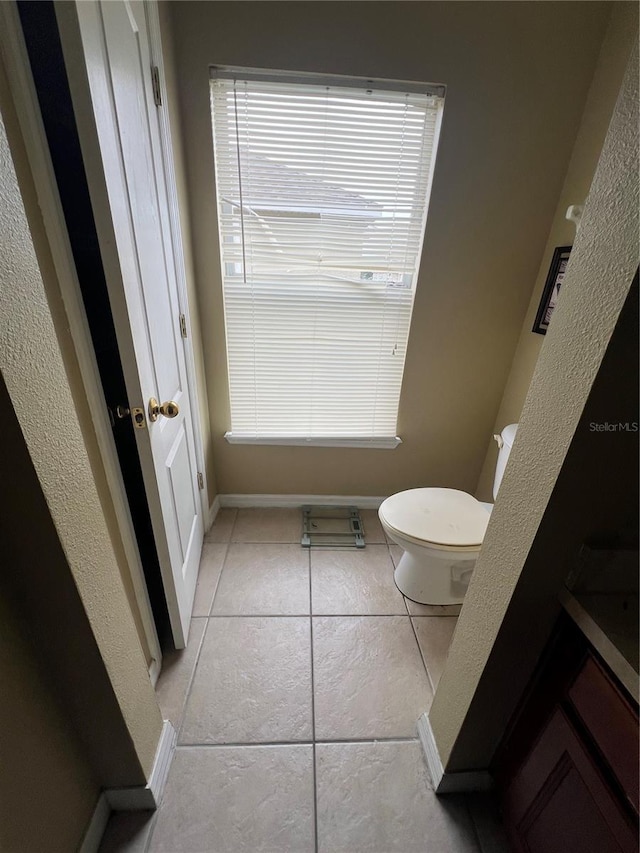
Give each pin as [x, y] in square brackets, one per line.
[152, 17]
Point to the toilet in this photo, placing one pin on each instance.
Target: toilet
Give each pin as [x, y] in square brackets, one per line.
[441, 532]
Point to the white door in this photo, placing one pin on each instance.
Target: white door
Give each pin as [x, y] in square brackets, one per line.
[107, 54]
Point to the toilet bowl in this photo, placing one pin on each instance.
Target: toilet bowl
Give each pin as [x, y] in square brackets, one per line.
[441, 532]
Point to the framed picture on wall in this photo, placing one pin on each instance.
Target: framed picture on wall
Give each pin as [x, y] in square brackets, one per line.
[551, 289]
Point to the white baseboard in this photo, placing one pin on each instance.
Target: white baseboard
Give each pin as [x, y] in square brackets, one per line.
[97, 826]
[214, 509]
[361, 501]
[147, 796]
[141, 798]
[448, 783]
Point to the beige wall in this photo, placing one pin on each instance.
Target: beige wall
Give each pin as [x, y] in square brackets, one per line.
[47, 789]
[593, 127]
[563, 483]
[516, 91]
[171, 91]
[39, 579]
[92, 638]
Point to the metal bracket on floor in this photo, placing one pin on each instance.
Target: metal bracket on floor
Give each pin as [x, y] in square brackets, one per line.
[332, 527]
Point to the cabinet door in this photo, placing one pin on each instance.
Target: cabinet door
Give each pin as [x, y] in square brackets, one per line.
[559, 803]
[611, 722]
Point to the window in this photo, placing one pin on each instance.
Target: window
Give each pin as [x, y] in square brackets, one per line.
[322, 199]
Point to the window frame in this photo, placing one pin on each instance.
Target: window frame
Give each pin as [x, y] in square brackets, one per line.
[278, 76]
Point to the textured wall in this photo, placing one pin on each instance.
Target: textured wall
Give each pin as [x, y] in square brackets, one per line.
[47, 267]
[516, 91]
[584, 158]
[42, 396]
[47, 789]
[600, 271]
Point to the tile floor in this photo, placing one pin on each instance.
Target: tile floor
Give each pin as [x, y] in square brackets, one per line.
[296, 704]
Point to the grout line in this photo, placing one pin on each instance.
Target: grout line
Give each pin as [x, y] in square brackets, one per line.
[307, 615]
[397, 739]
[433, 615]
[215, 591]
[402, 615]
[321, 741]
[318, 549]
[233, 527]
[244, 744]
[422, 657]
[406, 607]
[190, 685]
[320, 615]
[190, 680]
[256, 616]
[267, 542]
[313, 712]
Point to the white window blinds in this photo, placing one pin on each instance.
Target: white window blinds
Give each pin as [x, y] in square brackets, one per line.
[322, 200]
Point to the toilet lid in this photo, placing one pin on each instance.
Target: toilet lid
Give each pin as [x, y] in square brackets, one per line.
[443, 516]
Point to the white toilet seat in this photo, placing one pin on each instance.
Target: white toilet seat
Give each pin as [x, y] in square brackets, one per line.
[444, 519]
[472, 549]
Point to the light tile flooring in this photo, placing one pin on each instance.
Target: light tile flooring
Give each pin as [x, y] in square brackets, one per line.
[296, 704]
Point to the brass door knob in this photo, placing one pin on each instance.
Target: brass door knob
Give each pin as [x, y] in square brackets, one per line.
[170, 409]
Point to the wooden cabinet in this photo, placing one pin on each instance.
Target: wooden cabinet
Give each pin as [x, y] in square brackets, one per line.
[568, 768]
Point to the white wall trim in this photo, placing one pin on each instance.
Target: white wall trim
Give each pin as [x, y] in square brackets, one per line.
[448, 783]
[361, 501]
[147, 796]
[97, 825]
[214, 509]
[430, 750]
[373, 443]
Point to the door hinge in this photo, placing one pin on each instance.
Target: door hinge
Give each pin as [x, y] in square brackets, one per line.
[200, 481]
[183, 326]
[155, 82]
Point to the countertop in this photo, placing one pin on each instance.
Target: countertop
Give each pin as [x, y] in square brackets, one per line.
[611, 628]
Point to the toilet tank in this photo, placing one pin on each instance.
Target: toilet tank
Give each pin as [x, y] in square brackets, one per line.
[505, 443]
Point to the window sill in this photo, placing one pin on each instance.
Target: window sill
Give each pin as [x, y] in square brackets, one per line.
[374, 443]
